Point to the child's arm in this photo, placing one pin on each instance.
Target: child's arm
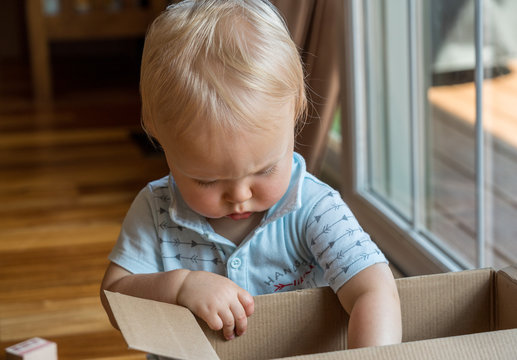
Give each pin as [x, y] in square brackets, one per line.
[371, 299]
[214, 298]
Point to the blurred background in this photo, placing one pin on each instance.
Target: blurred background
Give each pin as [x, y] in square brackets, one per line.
[72, 158]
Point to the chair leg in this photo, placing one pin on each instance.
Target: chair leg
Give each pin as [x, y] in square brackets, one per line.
[39, 52]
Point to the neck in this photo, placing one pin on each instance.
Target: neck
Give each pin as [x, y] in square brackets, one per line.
[236, 230]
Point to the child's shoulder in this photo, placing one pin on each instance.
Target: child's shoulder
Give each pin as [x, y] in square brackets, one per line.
[159, 184]
[311, 189]
[316, 192]
[156, 189]
[310, 184]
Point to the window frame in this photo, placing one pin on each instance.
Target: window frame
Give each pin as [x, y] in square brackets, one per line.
[405, 243]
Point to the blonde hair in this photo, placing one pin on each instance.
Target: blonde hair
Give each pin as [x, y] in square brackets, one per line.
[210, 60]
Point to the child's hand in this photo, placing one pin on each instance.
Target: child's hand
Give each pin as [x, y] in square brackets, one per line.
[218, 301]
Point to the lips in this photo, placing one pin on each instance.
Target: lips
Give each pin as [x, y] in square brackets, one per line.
[240, 216]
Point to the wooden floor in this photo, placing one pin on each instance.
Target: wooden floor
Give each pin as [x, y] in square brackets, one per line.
[67, 177]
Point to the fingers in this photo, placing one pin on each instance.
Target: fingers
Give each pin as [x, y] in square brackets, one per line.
[233, 320]
[228, 320]
[241, 320]
[247, 302]
[217, 300]
[238, 323]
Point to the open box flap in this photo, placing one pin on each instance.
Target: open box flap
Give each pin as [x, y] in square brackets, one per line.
[160, 328]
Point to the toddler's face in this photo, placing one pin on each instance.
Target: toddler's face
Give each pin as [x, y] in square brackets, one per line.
[234, 175]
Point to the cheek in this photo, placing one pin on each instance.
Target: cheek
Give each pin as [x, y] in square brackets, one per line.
[201, 200]
[272, 191]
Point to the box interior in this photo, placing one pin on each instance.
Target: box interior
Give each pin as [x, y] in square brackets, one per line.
[506, 299]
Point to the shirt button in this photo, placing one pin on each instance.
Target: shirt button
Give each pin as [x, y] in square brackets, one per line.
[236, 263]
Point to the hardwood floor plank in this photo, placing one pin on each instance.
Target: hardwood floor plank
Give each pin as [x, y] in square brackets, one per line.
[66, 291]
[52, 318]
[54, 234]
[43, 138]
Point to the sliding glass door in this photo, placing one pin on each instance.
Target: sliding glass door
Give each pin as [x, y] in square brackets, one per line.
[430, 129]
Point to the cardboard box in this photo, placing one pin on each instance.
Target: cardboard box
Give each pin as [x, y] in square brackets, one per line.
[463, 315]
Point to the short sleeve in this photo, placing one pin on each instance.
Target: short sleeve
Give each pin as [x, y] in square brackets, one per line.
[337, 241]
[138, 248]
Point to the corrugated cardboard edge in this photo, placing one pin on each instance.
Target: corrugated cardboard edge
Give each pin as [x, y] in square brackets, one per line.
[506, 293]
[495, 345]
[160, 328]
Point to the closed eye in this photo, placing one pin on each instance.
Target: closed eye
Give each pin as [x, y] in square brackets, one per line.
[268, 171]
[205, 183]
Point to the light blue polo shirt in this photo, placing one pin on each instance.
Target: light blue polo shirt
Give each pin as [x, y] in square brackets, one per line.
[310, 238]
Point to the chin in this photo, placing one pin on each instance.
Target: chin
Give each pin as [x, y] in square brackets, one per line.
[211, 215]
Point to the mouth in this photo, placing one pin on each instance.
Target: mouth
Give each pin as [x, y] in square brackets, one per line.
[240, 216]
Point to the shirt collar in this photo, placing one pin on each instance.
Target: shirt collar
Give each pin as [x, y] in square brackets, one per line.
[292, 199]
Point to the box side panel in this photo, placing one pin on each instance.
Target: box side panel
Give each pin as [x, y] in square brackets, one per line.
[446, 304]
[287, 324]
[497, 345]
[506, 298]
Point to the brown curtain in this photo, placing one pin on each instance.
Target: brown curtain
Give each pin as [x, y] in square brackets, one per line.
[314, 26]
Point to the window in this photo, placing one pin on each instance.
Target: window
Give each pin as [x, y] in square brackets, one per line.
[430, 134]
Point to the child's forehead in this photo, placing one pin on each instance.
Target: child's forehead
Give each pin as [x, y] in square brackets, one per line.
[208, 134]
[231, 156]
[258, 115]
[241, 147]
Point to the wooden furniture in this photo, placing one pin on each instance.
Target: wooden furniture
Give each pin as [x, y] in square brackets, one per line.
[70, 20]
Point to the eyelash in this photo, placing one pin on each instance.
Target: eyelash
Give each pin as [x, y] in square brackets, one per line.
[266, 172]
[205, 184]
[269, 171]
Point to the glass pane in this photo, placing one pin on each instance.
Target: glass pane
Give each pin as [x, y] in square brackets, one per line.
[389, 155]
[445, 72]
[452, 168]
[500, 118]
[450, 175]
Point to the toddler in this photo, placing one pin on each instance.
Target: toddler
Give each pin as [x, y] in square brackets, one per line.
[222, 90]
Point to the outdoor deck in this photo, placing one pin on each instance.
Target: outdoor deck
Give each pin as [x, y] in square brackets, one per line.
[452, 184]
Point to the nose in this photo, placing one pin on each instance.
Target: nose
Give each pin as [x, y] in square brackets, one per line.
[238, 192]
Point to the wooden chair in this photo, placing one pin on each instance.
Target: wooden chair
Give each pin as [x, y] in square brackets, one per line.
[68, 20]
